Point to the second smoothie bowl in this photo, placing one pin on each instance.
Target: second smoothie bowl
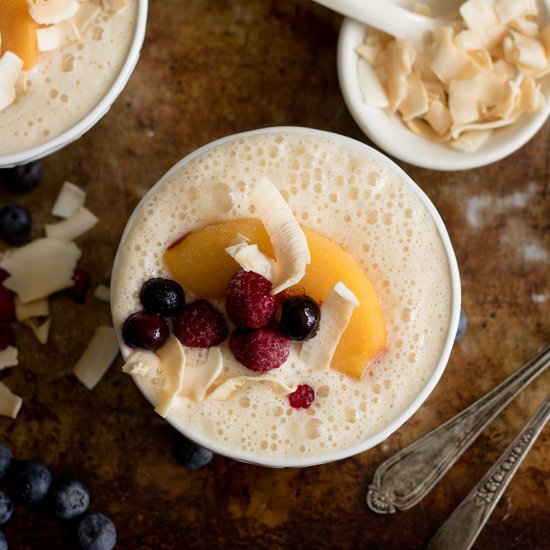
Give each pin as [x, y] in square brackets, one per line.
[286, 297]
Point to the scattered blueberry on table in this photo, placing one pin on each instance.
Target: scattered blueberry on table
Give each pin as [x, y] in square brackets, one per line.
[15, 223]
[189, 454]
[6, 457]
[6, 508]
[3, 542]
[70, 499]
[31, 481]
[24, 178]
[95, 531]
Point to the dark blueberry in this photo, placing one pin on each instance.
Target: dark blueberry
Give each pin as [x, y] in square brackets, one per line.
[70, 499]
[162, 296]
[300, 318]
[81, 285]
[145, 330]
[15, 223]
[3, 542]
[23, 179]
[6, 508]
[95, 531]
[31, 481]
[462, 325]
[6, 457]
[190, 455]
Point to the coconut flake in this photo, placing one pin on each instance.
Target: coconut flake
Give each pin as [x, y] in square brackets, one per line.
[10, 404]
[251, 258]
[36, 308]
[288, 240]
[69, 200]
[10, 68]
[100, 352]
[173, 361]
[227, 387]
[40, 268]
[50, 12]
[115, 6]
[142, 362]
[9, 357]
[102, 293]
[72, 228]
[197, 378]
[336, 313]
[53, 37]
[85, 15]
[40, 328]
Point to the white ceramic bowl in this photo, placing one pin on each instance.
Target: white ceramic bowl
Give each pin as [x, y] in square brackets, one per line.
[391, 135]
[75, 132]
[430, 382]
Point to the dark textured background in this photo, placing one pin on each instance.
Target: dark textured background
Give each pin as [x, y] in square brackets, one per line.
[210, 68]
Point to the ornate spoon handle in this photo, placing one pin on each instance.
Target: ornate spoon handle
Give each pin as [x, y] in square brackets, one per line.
[408, 476]
[463, 526]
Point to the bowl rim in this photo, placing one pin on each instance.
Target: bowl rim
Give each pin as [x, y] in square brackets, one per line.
[446, 350]
[402, 143]
[101, 108]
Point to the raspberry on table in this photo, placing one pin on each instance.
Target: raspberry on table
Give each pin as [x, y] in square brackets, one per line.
[81, 284]
[249, 302]
[260, 350]
[302, 397]
[7, 305]
[200, 325]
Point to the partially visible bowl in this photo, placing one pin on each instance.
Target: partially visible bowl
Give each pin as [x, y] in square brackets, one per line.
[56, 142]
[388, 132]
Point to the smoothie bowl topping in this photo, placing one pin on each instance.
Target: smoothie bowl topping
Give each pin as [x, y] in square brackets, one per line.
[30, 29]
[280, 286]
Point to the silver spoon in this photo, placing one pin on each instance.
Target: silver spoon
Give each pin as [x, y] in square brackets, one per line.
[408, 476]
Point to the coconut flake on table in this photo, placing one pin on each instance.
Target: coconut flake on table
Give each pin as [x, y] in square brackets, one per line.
[9, 357]
[40, 328]
[70, 199]
[98, 356]
[102, 293]
[73, 227]
[10, 404]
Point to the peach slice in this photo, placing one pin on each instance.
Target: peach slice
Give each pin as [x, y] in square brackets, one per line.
[198, 261]
[18, 31]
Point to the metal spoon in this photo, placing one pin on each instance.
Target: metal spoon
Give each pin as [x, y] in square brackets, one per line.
[408, 476]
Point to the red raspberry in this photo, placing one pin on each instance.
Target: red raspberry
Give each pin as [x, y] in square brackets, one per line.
[302, 397]
[7, 305]
[260, 350]
[249, 303]
[3, 275]
[200, 325]
[81, 285]
[7, 336]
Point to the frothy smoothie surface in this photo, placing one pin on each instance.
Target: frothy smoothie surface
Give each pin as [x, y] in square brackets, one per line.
[343, 193]
[67, 83]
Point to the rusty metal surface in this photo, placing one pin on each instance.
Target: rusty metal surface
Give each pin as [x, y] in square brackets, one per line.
[209, 69]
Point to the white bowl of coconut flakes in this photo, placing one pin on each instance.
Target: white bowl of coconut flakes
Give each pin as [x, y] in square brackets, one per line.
[478, 103]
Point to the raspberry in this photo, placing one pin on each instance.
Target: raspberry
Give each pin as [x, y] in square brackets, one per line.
[200, 325]
[260, 350]
[302, 397]
[7, 305]
[7, 336]
[81, 285]
[3, 275]
[249, 303]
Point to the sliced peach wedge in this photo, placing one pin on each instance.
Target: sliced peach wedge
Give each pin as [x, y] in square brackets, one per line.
[198, 261]
[18, 31]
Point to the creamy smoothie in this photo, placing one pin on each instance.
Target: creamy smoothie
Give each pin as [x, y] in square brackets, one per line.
[67, 83]
[343, 192]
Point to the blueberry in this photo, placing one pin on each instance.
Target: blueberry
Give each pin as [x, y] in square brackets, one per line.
[31, 481]
[462, 325]
[3, 542]
[145, 330]
[190, 455]
[70, 499]
[95, 531]
[6, 457]
[6, 508]
[300, 318]
[15, 223]
[162, 296]
[23, 179]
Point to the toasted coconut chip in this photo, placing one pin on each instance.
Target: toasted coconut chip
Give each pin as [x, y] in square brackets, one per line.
[251, 258]
[508, 10]
[370, 85]
[227, 387]
[50, 12]
[457, 131]
[173, 362]
[21, 83]
[86, 15]
[525, 51]
[115, 6]
[69, 200]
[10, 404]
[470, 141]
[336, 313]
[102, 293]
[100, 352]
[36, 308]
[197, 378]
[142, 362]
[398, 59]
[40, 268]
[72, 228]
[9, 357]
[288, 240]
[439, 117]
[10, 68]
[40, 328]
[53, 37]
[416, 103]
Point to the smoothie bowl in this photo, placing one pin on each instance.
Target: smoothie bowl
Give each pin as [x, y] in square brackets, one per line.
[62, 65]
[321, 296]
